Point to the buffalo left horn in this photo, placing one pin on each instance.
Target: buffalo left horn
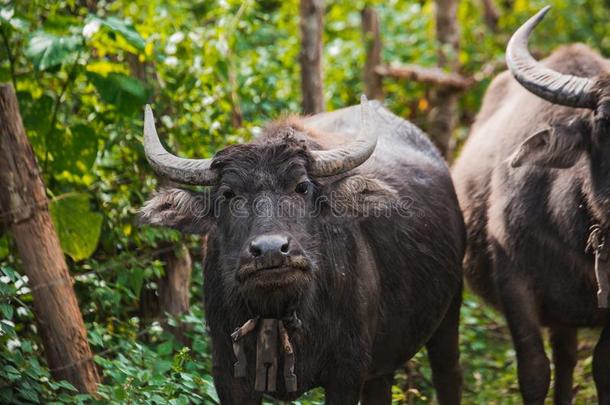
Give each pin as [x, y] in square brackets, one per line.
[546, 83]
[353, 154]
[180, 170]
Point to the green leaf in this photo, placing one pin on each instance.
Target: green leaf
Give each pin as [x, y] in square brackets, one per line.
[29, 395]
[165, 348]
[118, 26]
[36, 112]
[136, 279]
[77, 226]
[7, 311]
[75, 153]
[126, 93]
[46, 50]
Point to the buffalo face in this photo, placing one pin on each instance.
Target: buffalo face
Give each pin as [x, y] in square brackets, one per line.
[266, 218]
[268, 207]
[571, 136]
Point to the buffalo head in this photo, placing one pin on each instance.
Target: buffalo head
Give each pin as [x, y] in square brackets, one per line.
[578, 134]
[266, 204]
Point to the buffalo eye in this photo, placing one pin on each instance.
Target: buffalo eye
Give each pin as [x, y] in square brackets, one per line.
[302, 187]
[228, 194]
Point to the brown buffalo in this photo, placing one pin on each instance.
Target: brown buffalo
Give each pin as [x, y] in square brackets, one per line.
[340, 240]
[533, 181]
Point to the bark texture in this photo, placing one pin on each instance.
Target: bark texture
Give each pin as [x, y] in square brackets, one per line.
[24, 202]
[311, 55]
[372, 43]
[173, 292]
[434, 76]
[175, 284]
[491, 14]
[444, 113]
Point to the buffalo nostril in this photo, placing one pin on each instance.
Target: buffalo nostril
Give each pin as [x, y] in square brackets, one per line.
[255, 251]
[269, 245]
[284, 248]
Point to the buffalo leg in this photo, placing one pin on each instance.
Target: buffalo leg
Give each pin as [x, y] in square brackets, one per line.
[563, 341]
[233, 391]
[601, 366]
[521, 312]
[378, 391]
[339, 393]
[444, 355]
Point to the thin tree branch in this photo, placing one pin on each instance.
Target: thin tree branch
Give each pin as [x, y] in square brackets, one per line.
[56, 105]
[11, 60]
[433, 75]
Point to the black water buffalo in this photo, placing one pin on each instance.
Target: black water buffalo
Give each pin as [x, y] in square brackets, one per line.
[335, 246]
[533, 181]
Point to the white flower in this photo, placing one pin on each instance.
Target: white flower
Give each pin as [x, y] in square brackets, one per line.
[7, 13]
[197, 63]
[5, 279]
[22, 311]
[91, 28]
[12, 344]
[171, 61]
[167, 121]
[256, 131]
[156, 327]
[195, 36]
[23, 290]
[176, 38]
[334, 49]
[7, 322]
[170, 48]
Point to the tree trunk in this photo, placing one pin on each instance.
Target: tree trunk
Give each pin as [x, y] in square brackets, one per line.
[491, 14]
[22, 197]
[311, 55]
[174, 287]
[444, 113]
[173, 290]
[372, 43]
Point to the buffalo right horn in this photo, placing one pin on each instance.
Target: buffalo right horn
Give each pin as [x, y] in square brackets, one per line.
[546, 83]
[353, 154]
[180, 170]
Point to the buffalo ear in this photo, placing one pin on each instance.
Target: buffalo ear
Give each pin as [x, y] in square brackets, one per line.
[183, 210]
[557, 147]
[362, 196]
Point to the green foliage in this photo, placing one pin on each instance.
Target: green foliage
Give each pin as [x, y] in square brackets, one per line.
[47, 51]
[77, 227]
[83, 72]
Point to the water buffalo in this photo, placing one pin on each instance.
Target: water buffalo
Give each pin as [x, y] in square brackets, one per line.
[336, 238]
[533, 181]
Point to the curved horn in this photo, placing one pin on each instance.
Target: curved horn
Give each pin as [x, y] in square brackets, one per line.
[546, 83]
[340, 160]
[186, 171]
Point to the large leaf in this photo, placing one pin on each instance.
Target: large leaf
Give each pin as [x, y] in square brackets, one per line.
[118, 26]
[46, 50]
[36, 113]
[74, 151]
[128, 94]
[77, 226]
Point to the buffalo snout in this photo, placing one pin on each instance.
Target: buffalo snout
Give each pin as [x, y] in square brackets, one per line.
[272, 257]
[270, 246]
